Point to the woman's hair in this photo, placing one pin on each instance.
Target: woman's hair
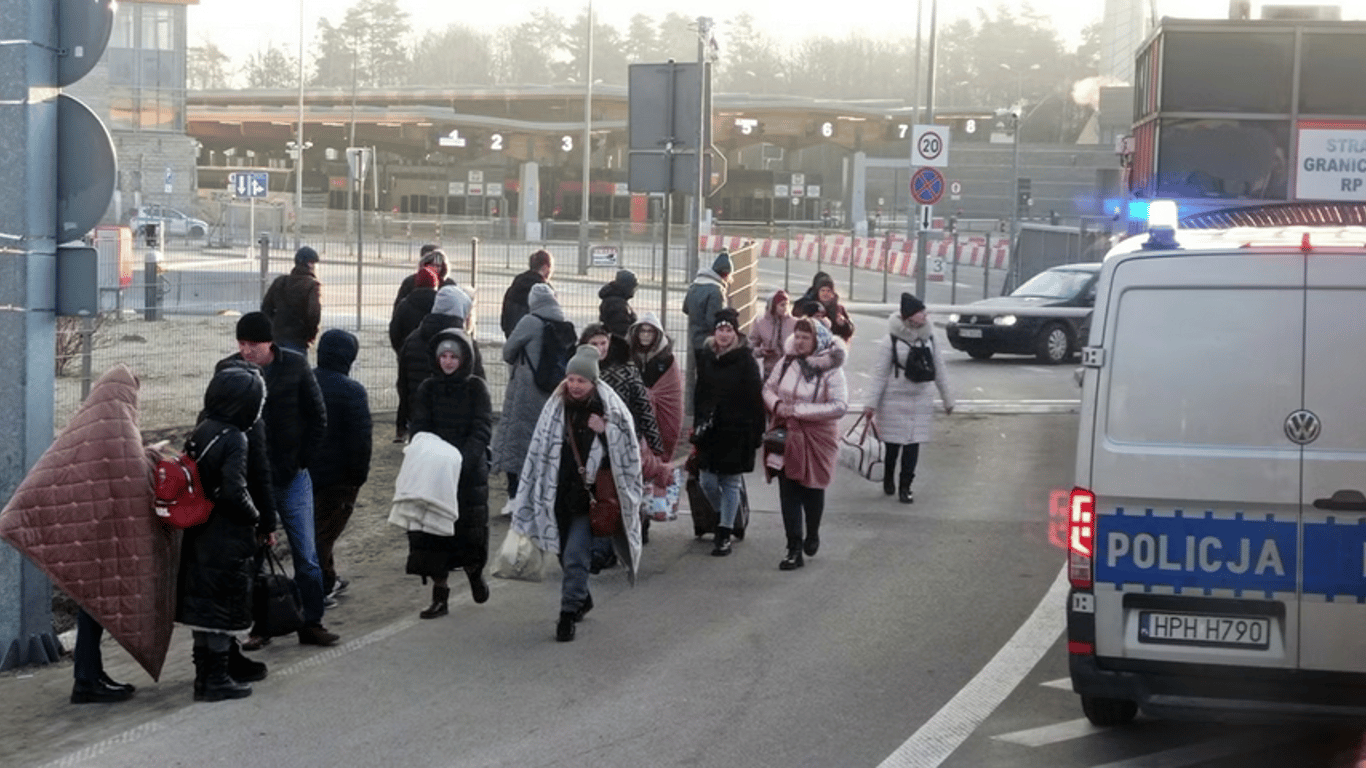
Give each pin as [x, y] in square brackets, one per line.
[593, 329]
[805, 325]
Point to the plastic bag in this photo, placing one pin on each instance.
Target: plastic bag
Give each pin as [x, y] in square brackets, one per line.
[519, 558]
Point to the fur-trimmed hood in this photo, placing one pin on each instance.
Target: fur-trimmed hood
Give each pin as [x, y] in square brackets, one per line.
[898, 328]
[829, 354]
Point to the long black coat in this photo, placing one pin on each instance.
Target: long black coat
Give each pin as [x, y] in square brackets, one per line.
[415, 358]
[614, 311]
[293, 303]
[730, 390]
[343, 459]
[295, 414]
[457, 408]
[516, 300]
[408, 315]
[217, 558]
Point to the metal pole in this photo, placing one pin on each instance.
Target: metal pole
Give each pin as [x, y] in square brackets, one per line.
[787, 261]
[986, 266]
[699, 206]
[953, 286]
[587, 147]
[921, 246]
[299, 141]
[359, 184]
[1014, 195]
[355, 82]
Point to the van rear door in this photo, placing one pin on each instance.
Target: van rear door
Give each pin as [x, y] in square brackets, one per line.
[1332, 426]
[1197, 487]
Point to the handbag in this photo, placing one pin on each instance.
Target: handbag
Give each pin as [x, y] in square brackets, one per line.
[277, 608]
[775, 440]
[604, 506]
[519, 558]
[861, 448]
[701, 430]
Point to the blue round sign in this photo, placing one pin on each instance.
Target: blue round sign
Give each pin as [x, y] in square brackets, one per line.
[927, 186]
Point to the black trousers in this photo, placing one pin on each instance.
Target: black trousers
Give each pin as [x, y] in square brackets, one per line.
[800, 502]
[89, 665]
[910, 456]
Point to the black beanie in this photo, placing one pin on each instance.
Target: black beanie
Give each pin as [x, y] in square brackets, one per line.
[254, 327]
[729, 317]
[305, 255]
[910, 305]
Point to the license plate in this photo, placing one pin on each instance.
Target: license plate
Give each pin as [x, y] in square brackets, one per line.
[970, 333]
[1204, 629]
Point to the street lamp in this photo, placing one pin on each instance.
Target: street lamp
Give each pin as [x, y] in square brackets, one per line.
[298, 145]
[587, 147]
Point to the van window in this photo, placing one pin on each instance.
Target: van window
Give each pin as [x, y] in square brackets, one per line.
[1190, 366]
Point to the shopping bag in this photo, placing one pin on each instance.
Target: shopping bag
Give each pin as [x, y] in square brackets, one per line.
[861, 448]
[519, 558]
[277, 608]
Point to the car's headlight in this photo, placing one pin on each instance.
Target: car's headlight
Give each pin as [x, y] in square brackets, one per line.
[1004, 320]
[953, 317]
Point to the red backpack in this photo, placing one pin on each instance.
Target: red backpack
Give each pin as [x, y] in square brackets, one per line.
[181, 501]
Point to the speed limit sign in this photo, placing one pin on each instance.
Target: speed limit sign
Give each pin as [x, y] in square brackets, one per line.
[930, 146]
[936, 270]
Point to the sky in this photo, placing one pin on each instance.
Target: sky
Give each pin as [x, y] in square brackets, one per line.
[240, 27]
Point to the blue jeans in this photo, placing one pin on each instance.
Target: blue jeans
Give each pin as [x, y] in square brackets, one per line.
[296, 517]
[574, 561]
[723, 491]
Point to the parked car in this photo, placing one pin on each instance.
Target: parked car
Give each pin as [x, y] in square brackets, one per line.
[173, 222]
[999, 326]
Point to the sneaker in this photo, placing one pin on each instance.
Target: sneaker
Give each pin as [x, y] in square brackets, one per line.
[330, 602]
[339, 586]
[317, 634]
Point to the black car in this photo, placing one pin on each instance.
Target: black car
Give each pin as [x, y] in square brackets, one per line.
[1051, 338]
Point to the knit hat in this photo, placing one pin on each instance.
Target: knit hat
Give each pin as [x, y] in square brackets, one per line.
[626, 279]
[452, 301]
[435, 258]
[779, 296]
[305, 255]
[584, 362]
[426, 277]
[254, 327]
[729, 317]
[910, 305]
[722, 264]
[449, 345]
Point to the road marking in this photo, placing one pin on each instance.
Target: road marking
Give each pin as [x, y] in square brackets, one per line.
[1199, 753]
[1050, 734]
[1062, 683]
[952, 724]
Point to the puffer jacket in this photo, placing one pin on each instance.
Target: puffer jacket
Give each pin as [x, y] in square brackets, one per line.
[217, 558]
[729, 394]
[295, 415]
[770, 332]
[343, 459]
[294, 305]
[517, 300]
[815, 386]
[905, 408]
[614, 311]
[457, 408]
[415, 358]
[522, 399]
[408, 315]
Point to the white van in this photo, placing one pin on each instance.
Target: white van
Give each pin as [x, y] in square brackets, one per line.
[1217, 533]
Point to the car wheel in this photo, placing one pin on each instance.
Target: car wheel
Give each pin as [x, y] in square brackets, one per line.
[197, 232]
[1107, 713]
[1053, 344]
[977, 353]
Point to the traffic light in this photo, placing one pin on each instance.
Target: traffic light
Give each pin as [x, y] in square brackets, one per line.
[1023, 196]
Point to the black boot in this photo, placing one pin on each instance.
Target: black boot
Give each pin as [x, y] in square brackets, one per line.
[722, 547]
[479, 589]
[812, 544]
[241, 668]
[99, 691]
[564, 630]
[793, 561]
[211, 679]
[905, 496]
[440, 596]
[584, 609]
[888, 481]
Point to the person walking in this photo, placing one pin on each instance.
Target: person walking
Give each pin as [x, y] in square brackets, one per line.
[522, 399]
[552, 509]
[517, 298]
[705, 297]
[218, 557]
[821, 300]
[430, 255]
[807, 393]
[295, 419]
[293, 303]
[770, 332]
[903, 408]
[454, 405]
[652, 355]
[729, 422]
[614, 311]
[342, 463]
[450, 309]
[409, 312]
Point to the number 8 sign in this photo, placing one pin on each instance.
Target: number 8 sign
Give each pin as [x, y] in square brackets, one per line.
[930, 146]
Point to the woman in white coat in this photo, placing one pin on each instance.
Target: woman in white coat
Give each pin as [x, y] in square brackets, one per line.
[902, 399]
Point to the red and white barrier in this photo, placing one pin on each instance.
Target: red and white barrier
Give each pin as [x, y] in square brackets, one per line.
[866, 252]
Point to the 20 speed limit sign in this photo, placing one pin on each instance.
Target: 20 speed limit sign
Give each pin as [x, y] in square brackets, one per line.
[930, 146]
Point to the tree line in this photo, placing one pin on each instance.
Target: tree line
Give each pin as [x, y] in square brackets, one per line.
[997, 58]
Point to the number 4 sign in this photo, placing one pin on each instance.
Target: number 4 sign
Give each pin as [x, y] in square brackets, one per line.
[930, 146]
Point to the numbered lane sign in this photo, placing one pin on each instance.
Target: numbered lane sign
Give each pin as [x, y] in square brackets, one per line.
[936, 269]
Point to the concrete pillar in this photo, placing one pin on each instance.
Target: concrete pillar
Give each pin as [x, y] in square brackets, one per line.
[529, 201]
[28, 138]
[858, 195]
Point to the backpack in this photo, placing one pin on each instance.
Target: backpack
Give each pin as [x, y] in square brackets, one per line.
[919, 365]
[557, 346]
[181, 501]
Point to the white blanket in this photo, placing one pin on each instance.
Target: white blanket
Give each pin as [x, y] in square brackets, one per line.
[426, 487]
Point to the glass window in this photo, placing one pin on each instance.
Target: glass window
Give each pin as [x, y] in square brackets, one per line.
[1223, 72]
[122, 34]
[1223, 158]
[1330, 75]
[1055, 284]
[122, 108]
[157, 29]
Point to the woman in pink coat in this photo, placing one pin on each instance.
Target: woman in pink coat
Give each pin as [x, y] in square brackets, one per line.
[770, 332]
[808, 394]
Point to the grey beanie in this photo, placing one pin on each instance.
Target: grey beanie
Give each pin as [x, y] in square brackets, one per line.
[449, 345]
[584, 362]
[452, 301]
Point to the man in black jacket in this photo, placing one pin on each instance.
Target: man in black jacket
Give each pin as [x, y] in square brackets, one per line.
[515, 300]
[295, 417]
[293, 304]
[342, 462]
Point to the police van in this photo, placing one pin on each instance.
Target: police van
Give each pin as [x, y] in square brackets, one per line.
[1217, 530]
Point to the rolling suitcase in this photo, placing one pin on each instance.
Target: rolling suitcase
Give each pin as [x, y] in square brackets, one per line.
[704, 516]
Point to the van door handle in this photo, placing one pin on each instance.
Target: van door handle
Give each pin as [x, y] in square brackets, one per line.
[1343, 501]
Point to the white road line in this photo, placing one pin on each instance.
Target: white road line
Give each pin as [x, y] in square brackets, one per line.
[952, 724]
[1062, 683]
[1199, 753]
[1050, 734]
